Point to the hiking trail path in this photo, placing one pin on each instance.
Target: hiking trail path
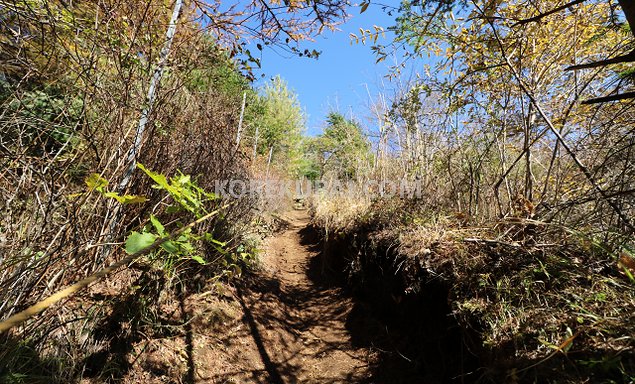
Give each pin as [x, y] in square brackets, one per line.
[294, 321]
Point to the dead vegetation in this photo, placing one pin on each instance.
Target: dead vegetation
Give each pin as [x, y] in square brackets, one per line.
[523, 220]
[76, 83]
[536, 302]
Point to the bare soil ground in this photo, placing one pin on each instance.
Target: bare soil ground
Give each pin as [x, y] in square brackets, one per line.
[289, 324]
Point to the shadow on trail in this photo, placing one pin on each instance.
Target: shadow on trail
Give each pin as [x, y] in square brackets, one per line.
[310, 324]
[319, 322]
[270, 367]
[297, 312]
[323, 271]
[412, 339]
[298, 326]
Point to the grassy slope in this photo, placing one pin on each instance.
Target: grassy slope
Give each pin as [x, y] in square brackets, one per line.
[535, 302]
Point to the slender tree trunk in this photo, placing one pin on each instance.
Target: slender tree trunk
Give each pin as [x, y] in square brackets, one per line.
[240, 121]
[131, 159]
[255, 145]
[269, 160]
[408, 156]
[529, 185]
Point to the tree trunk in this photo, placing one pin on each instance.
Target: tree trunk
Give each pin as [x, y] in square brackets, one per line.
[240, 122]
[131, 160]
[628, 6]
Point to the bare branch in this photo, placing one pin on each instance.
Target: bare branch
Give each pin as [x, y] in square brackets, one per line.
[605, 99]
[551, 12]
[628, 58]
[623, 218]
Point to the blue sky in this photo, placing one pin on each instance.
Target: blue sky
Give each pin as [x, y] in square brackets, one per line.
[336, 80]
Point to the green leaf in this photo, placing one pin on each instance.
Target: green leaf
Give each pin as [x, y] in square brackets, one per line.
[199, 259]
[75, 195]
[628, 274]
[112, 195]
[139, 241]
[170, 247]
[182, 179]
[208, 237]
[157, 225]
[220, 250]
[96, 182]
[132, 199]
[186, 246]
[158, 178]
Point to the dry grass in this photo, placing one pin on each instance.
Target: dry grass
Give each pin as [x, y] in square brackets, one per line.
[541, 298]
[66, 115]
[338, 213]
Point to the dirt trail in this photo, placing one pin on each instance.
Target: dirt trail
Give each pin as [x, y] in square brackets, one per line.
[289, 323]
[293, 328]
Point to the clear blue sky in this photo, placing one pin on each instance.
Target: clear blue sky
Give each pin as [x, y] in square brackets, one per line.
[336, 79]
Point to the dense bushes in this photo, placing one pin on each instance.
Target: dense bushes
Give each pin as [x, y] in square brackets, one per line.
[71, 96]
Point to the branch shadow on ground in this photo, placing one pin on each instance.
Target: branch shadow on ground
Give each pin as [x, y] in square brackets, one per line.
[385, 338]
[270, 367]
[306, 310]
[411, 339]
[276, 308]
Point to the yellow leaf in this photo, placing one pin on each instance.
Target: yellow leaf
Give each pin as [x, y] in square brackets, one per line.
[126, 199]
[96, 182]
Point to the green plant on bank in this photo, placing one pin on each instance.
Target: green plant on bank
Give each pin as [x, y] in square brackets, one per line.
[187, 197]
[617, 250]
[21, 360]
[95, 182]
